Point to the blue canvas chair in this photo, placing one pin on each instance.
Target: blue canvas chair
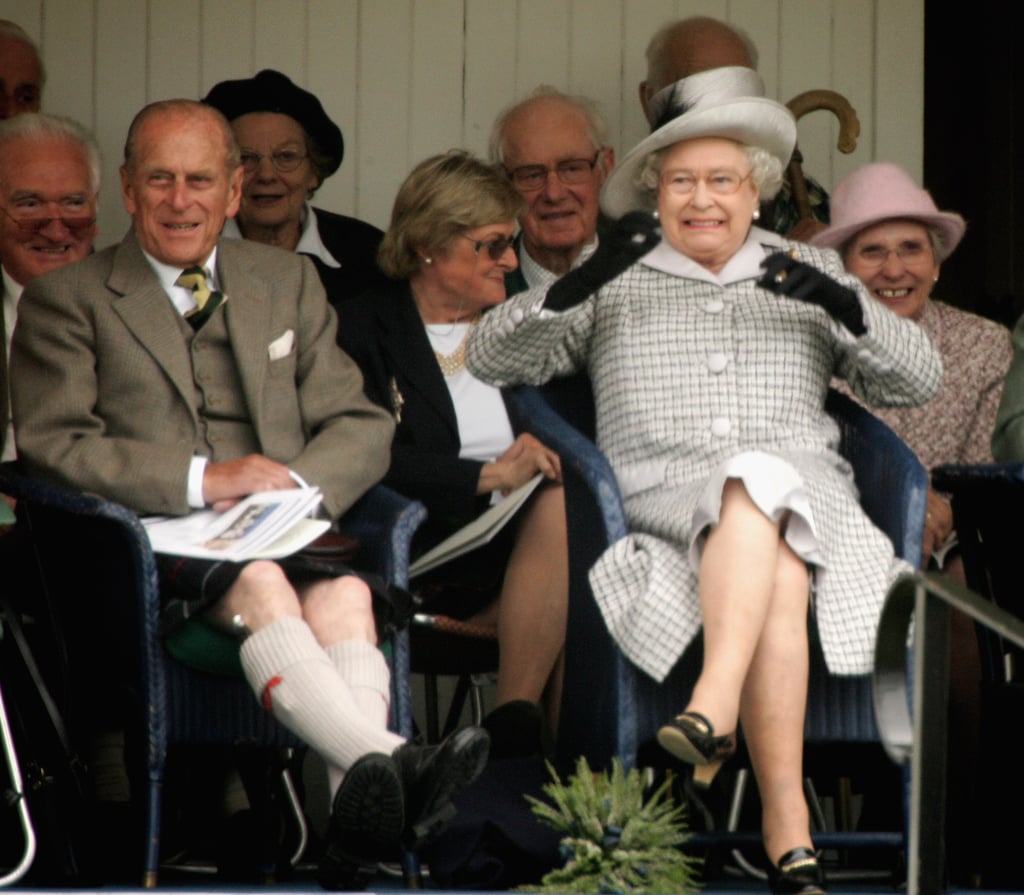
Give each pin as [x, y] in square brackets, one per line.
[92, 549]
[610, 708]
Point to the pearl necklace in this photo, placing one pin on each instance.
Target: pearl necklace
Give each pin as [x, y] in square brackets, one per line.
[455, 362]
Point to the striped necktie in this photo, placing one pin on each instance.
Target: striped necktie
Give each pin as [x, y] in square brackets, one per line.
[206, 300]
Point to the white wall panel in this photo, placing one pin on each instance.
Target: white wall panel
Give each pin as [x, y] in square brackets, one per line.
[899, 83]
[407, 78]
[332, 73]
[226, 45]
[490, 67]
[121, 88]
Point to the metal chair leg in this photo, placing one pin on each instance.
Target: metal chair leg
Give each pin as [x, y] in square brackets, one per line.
[29, 852]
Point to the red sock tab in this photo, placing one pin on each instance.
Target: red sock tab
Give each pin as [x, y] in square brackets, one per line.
[267, 701]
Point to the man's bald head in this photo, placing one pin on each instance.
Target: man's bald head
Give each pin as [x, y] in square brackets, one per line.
[687, 46]
[21, 71]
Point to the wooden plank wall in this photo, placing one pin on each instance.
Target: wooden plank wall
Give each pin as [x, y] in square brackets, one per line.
[408, 78]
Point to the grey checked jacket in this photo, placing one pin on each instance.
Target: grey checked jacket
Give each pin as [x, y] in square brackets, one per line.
[687, 374]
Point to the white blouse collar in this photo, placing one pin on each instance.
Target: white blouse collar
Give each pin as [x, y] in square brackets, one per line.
[743, 265]
[310, 242]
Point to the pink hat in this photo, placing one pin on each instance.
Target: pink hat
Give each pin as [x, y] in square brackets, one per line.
[880, 192]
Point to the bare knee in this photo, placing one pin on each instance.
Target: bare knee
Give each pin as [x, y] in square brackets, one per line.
[261, 595]
[338, 609]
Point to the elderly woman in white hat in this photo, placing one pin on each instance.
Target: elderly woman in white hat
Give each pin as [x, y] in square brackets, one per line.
[893, 237]
[709, 389]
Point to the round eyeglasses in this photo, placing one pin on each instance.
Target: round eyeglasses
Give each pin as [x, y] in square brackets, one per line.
[721, 183]
[570, 171]
[283, 160]
[910, 253]
[30, 221]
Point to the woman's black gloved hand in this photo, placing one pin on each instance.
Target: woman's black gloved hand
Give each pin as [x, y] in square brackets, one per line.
[630, 238]
[787, 276]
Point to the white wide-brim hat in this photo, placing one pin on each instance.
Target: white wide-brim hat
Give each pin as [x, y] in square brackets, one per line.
[722, 102]
[882, 191]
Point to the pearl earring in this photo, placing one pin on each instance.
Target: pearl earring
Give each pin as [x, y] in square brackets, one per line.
[428, 260]
[655, 213]
[757, 214]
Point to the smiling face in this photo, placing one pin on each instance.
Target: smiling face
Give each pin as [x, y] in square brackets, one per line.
[896, 262]
[178, 188]
[45, 177]
[272, 199]
[704, 225]
[560, 219]
[463, 280]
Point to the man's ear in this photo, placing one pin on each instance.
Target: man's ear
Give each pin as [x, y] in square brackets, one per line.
[127, 195]
[607, 161]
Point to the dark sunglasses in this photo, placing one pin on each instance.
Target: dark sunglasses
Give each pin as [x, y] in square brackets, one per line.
[495, 247]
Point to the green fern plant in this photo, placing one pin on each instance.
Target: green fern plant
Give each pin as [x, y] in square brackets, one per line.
[614, 841]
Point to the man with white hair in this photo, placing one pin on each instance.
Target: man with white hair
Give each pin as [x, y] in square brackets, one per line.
[21, 71]
[554, 148]
[49, 182]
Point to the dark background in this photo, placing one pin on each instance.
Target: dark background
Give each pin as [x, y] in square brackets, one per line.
[974, 107]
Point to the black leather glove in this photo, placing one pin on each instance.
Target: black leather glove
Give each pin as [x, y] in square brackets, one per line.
[787, 276]
[631, 237]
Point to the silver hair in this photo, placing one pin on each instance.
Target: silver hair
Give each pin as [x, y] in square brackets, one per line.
[15, 32]
[39, 126]
[766, 172]
[597, 129]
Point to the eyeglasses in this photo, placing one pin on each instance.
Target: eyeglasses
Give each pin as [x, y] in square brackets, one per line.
[284, 160]
[721, 183]
[570, 171]
[496, 247]
[29, 221]
[910, 253]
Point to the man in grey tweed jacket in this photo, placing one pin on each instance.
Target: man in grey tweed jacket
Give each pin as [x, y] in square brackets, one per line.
[123, 385]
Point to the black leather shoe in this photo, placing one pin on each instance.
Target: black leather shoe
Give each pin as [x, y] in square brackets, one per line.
[432, 775]
[797, 873]
[691, 738]
[367, 818]
[517, 730]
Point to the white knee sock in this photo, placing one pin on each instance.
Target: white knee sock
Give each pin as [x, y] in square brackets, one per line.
[363, 667]
[293, 677]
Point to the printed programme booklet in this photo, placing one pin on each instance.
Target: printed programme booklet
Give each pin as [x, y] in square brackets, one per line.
[478, 532]
[269, 525]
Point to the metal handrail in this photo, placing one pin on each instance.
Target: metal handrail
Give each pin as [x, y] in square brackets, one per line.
[918, 735]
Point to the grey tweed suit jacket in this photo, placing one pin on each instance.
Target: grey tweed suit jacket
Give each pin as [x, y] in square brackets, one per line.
[103, 388]
[688, 374]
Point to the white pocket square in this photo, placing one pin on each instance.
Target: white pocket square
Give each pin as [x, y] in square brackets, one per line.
[283, 346]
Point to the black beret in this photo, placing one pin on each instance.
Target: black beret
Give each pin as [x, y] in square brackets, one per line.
[271, 91]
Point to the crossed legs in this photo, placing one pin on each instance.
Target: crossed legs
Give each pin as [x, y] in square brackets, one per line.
[312, 660]
[754, 595]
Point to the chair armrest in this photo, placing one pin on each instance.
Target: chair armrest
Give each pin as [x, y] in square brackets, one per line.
[385, 523]
[580, 457]
[954, 478]
[893, 484]
[598, 701]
